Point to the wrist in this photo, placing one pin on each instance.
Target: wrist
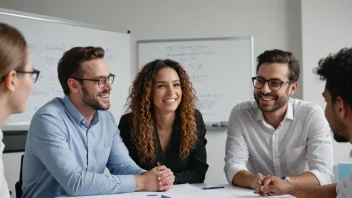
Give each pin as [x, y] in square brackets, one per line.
[287, 179]
[140, 184]
[254, 183]
[292, 188]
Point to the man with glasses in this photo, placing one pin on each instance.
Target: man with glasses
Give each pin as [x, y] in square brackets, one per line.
[336, 70]
[72, 139]
[276, 135]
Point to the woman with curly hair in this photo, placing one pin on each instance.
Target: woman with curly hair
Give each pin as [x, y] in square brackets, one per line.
[164, 125]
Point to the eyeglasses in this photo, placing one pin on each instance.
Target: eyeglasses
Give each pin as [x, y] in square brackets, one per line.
[101, 80]
[274, 84]
[35, 74]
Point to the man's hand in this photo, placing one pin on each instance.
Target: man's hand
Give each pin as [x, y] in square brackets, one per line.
[256, 181]
[275, 185]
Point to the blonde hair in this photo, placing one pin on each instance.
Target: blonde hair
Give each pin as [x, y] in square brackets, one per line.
[13, 49]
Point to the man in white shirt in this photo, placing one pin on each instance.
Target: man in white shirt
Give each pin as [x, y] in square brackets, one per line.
[275, 134]
[336, 69]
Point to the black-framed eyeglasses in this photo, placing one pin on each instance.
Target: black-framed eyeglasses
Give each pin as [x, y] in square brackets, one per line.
[35, 74]
[100, 81]
[274, 84]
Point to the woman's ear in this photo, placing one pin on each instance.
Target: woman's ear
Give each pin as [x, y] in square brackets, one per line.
[10, 81]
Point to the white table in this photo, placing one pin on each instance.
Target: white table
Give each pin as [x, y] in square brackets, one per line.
[194, 190]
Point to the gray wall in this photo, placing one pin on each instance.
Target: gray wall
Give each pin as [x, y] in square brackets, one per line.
[325, 29]
[273, 23]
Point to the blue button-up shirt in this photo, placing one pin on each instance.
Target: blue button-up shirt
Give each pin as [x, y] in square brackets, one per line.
[66, 156]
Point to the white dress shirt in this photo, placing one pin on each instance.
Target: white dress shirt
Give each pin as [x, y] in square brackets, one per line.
[4, 190]
[301, 143]
[344, 187]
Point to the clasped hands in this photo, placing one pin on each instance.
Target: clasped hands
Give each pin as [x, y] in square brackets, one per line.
[270, 185]
[160, 178]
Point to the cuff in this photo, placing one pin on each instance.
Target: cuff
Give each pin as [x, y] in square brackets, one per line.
[323, 177]
[127, 183]
[232, 169]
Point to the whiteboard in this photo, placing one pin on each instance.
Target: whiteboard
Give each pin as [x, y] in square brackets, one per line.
[220, 70]
[48, 38]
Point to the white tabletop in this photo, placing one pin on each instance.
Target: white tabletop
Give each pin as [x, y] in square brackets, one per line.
[194, 190]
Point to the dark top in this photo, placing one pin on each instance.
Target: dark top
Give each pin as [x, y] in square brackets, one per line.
[190, 170]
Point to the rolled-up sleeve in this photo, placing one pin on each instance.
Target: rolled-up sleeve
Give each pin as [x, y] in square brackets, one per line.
[236, 151]
[319, 147]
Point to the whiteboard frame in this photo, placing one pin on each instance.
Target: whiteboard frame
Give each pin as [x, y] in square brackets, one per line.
[56, 20]
[210, 125]
[27, 15]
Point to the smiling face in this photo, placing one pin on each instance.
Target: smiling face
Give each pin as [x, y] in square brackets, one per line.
[267, 99]
[167, 92]
[91, 94]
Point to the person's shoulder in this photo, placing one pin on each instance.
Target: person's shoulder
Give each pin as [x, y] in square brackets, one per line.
[107, 115]
[127, 117]
[245, 107]
[198, 114]
[125, 125]
[306, 107]
[53, 108]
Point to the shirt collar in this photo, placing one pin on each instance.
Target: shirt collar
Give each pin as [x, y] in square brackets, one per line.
[288, 115]
[73, 111]
[76, 115]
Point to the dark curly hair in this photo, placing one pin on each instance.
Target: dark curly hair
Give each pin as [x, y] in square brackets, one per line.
[336, 69]
[140, 102]
[279, 56]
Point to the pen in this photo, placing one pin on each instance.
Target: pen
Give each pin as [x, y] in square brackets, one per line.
[261, 189]
[212, 187]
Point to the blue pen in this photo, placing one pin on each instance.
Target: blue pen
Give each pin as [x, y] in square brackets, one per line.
[152, 195]
[212, 187]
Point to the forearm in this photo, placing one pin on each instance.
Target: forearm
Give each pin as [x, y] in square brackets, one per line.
[326, 191]
[305, 179]
[244, 179]
[88, 183]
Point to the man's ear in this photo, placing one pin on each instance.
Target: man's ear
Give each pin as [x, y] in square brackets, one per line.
[293, 89]
[73, 85]
[10, 81]
[340, 107]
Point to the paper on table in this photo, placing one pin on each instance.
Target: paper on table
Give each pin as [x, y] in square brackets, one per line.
[188, 191]
[232, 192]
[181, 190]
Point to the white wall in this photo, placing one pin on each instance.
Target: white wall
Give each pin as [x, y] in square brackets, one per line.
[326, 28]
[273, 23]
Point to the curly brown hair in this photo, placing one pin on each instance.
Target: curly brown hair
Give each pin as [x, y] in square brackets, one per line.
[141, 104]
